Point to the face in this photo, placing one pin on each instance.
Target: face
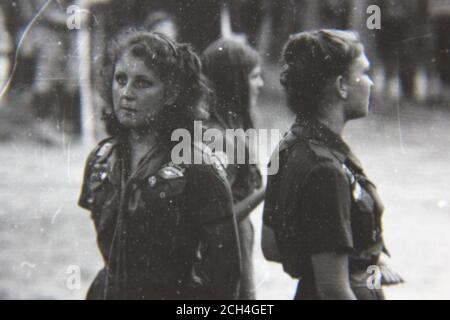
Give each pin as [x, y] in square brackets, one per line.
[138, 93]
[167, 28]
[255, 84]
[359, 87]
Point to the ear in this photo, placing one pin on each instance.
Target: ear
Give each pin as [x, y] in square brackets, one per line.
[341, 87]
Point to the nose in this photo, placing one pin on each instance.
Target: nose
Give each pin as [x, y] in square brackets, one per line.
[261, 83]
[127, 92]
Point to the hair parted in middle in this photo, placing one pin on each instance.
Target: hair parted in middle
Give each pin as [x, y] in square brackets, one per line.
[227, 64]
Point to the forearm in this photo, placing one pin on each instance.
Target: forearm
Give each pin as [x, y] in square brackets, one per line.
[269, 245]
[331, 274]
[338, 291]
[243, 208]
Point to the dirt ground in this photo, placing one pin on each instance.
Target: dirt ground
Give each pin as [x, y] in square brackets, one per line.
[44, 236]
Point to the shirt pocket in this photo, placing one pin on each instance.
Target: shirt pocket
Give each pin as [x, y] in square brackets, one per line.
[164, 201]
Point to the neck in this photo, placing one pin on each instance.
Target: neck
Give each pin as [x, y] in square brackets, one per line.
[142, 139]
[333, 117]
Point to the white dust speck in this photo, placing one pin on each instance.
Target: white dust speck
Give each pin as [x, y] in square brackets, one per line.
[442, 204]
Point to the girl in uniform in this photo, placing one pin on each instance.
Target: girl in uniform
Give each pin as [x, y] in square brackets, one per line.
[160, 234]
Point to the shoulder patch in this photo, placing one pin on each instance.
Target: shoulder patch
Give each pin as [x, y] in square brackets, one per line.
[349, 174]
[104, 149]
[171, 171]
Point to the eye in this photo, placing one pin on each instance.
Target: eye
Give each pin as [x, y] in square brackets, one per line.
[143, 83]
[121, 79]
[255, 76]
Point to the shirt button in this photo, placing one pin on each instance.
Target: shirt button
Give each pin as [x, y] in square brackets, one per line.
[152, 181]
[162, 195]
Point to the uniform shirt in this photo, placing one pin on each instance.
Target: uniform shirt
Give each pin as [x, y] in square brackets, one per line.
[321, 201]
[154, 224]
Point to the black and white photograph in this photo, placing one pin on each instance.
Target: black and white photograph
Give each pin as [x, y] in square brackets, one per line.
[225, 150]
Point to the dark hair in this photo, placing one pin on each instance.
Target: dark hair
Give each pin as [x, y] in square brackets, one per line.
[227, 64]
[177, 66]
[313, 59]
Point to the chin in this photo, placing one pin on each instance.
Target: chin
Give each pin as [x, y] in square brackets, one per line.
[358, 115]
[130, 124]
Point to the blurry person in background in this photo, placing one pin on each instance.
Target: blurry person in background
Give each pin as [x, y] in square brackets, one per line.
[401, 46]
[54, 78]
[158, 224]
[324, 211]
[234, 71]
[199, 22]
[335, 13]
[440, 17]
[162, 22]
[247, 17]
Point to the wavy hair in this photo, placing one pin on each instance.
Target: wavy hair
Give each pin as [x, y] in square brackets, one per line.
[312, 60]
[177, 66]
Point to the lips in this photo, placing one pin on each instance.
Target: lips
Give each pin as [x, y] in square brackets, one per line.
[128, 109]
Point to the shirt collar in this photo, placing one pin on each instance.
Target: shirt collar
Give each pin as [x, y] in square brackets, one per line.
[308, 128]
[148, 166]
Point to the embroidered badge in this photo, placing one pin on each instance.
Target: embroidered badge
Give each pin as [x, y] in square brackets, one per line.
[349, 174]
[99, 173]
[357, 191]
[171, 172]
[356, 187]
